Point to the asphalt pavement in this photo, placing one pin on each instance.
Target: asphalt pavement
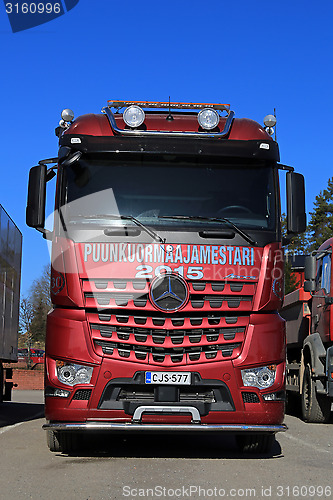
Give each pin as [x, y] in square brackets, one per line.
[196, 467]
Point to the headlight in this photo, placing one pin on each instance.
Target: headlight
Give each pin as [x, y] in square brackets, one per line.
[72, 374]
[262, 377]
[208, 118]
[134, 116]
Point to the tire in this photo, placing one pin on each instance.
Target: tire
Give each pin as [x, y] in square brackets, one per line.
[65, 442]
[255, 443]
[316, 408]
[53, 442]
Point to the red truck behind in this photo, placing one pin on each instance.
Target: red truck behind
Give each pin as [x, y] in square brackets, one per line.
[309, 323]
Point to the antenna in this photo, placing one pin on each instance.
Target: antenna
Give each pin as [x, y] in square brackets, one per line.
[275, 125]
[169, 117]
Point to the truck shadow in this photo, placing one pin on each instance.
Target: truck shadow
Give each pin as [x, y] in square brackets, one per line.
[13, 413]
[166, 446]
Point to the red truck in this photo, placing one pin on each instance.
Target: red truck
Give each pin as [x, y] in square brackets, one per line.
[36, 355]
[309, 325]
[167, 273]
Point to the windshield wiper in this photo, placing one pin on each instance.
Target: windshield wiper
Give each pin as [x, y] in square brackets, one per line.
[242, 233]
[149, 231]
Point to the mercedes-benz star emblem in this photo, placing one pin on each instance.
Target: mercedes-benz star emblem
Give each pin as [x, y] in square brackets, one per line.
[169, 292]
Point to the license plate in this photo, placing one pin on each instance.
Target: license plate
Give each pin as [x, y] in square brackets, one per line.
[170, 378]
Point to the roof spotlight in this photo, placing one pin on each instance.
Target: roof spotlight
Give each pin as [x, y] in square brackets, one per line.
[134, 116]
[208, 118]
[270, 121]
[67, 115]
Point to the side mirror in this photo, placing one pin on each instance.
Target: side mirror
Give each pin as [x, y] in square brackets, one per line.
[296, 216]
[35, 212]
[310, 267]
[310, 271]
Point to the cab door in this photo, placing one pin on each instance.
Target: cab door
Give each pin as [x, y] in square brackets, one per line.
[321, 312]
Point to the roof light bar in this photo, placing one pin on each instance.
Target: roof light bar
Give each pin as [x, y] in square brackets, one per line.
[167, 105]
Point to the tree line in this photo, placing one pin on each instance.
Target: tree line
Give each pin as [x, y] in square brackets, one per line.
[319, 229]
[33, 311]
[320, 225]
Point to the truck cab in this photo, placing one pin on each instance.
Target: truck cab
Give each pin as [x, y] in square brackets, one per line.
[167, 273]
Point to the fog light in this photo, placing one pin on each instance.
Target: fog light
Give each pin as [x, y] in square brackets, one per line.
[275, 396]
[134, 116]
[262, 377]
[208, 118]
[53, 391]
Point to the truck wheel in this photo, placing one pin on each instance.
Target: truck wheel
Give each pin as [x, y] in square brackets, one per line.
[316, 408]
[255, 443]
[69, 441]
[65, 442]
[53, 441]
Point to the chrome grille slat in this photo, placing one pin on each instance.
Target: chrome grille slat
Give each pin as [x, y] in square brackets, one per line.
[159, 336]
[172, 322]
[158, 354]
[126, 293]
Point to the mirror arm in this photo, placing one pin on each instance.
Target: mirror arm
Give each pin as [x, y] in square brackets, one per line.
[47, 234]
[285, 167]
[50, 173]
[287, 239]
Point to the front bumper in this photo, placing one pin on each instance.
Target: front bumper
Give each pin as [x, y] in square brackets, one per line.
[136, 423]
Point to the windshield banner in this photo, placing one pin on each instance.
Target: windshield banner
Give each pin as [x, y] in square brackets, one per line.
[194, 262]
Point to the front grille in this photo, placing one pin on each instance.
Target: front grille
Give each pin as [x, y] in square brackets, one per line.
[147, 394]
[128, 393]
[176, 320]
[167, 339]
[125, 325]
[159, 336]
[122, 293]
[159, 354]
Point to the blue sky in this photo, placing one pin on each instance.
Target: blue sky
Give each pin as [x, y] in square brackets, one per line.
[254, 55]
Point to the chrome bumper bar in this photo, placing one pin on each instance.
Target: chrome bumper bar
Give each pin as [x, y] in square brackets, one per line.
[132, 427]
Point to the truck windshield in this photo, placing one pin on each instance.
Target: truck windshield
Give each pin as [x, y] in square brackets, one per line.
[165, 193]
